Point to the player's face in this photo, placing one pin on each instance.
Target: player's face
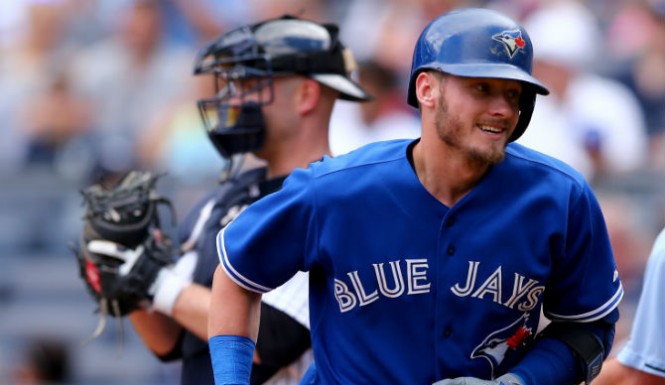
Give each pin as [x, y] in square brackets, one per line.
[477, 116]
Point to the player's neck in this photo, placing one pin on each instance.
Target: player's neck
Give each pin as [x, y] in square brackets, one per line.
[447, 178]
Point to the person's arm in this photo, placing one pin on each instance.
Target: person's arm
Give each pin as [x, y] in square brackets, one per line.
[233, 309]
[233, 328]
[616, 373]
[160, 332]
[191, 309]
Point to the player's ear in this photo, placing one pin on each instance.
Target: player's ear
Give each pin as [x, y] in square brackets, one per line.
[307, 96]
[426, 88]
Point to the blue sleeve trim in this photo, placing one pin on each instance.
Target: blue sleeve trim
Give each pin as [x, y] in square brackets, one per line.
[231, 359]
[593, 315]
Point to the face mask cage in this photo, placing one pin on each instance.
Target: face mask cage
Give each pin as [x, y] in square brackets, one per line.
[242, 75]
[236, 86]
[244, 62]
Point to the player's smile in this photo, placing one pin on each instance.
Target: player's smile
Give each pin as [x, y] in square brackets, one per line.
[494, 131]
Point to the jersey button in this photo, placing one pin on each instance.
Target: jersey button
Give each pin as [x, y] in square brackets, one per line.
[450, 222]
[451, 250]
[447, 332]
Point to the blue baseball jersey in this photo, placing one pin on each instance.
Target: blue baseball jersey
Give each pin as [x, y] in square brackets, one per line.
[645, 349]
[405, 290]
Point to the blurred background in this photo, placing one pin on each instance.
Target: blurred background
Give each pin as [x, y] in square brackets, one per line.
[91, 87]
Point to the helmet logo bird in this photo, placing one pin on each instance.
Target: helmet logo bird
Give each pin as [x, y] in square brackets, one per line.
[511, 40]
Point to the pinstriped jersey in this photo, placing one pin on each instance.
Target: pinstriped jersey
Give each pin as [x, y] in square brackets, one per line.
[405, 290]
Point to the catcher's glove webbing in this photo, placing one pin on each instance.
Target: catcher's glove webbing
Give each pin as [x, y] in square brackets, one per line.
[122, 248]
[123, 214]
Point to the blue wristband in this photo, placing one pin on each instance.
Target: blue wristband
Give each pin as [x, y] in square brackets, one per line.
[550, 362]
[231, 359]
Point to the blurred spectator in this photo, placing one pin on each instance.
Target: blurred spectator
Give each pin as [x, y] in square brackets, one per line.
[316, 10]
[27, 64]
[635, 42]
[61, 118]
[45, 361]
[130, 77]
[86, 21]
[387, 30]
[631, 236]
[598, 115]
[385, 117]
[176, 141]
[195, 21]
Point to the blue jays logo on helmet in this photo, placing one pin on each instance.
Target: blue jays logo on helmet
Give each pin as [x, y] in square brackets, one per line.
[511, 40]
[497, 344]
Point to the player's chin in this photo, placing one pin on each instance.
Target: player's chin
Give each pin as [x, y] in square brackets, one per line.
[497, 157]
[490, 155]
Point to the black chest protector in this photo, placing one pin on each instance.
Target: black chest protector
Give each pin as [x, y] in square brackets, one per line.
[228, 201]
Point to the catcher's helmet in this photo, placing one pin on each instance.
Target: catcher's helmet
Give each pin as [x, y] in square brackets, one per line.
[245, 61]
[479, 43]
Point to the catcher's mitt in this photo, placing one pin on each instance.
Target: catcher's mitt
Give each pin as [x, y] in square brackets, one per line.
[122, 248]
[125, 213]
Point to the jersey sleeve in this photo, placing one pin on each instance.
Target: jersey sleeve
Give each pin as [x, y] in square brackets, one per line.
[585, 284]
[645, 349]
[265, 245]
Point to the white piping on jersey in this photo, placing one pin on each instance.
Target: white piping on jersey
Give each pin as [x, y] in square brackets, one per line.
[205, 213]
[595, 314]
[231, 272]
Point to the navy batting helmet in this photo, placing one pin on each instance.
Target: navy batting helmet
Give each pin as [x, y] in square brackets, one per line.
[245, 60]
[478, 43]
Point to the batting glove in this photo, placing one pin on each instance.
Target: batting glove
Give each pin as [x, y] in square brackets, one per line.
[506, 379]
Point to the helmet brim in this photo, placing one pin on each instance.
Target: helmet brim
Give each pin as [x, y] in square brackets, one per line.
[348, 89]
[494, 71]
[482, 70]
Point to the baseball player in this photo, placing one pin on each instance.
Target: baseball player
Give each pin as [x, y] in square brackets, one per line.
[642, 360]
[277, 82]
[430, 259]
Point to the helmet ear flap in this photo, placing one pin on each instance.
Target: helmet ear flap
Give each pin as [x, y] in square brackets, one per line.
[527, 104]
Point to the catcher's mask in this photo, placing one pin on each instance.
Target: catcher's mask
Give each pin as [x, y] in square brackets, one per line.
[479, 43]
[245, 61]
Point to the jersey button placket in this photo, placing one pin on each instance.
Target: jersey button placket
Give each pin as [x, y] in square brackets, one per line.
[445, 316]
[450, 222]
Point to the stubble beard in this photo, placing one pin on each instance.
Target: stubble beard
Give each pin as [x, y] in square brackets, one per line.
[451, 131]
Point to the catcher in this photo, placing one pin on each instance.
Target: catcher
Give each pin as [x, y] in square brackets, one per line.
[276, 84]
